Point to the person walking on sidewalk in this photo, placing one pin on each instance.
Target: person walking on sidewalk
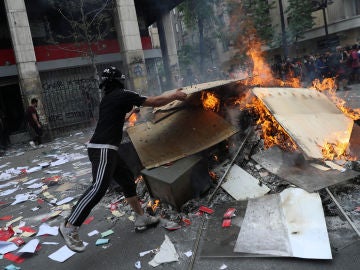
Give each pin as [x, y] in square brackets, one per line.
[105, 160]
[34, 125]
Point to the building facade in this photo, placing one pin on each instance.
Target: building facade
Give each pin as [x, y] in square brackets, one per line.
[339, 27]
[63, 75]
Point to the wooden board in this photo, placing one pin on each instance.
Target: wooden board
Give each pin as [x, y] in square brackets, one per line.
[308, 116]
[181, 134]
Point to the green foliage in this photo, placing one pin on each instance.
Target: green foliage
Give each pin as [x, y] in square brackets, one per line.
[259, 12]
[300, 18]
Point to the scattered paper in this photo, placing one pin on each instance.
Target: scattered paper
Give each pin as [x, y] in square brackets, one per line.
[166, 254]
[138, 265]
[66, 200]
[142, 254]
[102, 241]
[12, 267]
[6, 247]
[30, 247]
[8, 191]
[34, 169]
[50, 243]
[188, 253]
[92, 233]
[62, 254]
[13, 221]
[108, 232]
[46, 229]
[19, 198]
[35, 185]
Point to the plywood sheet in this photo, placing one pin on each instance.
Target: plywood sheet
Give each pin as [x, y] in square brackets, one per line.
[290, 224]
[183, 133]
[308, 116]
[292, 167]
[196, 88]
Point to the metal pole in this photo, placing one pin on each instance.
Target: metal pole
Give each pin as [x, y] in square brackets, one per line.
[343, 212]
[283, 31]
[231, 163]
[324, 6]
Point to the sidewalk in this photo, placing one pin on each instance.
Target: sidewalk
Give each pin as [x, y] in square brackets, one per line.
[125, 244]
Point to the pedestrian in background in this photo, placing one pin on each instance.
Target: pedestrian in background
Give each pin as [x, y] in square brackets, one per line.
[104, 157]
[33, 121]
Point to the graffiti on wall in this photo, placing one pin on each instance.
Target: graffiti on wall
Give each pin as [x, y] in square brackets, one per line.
[70, 102]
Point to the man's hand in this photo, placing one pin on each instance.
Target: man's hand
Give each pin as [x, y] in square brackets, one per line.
[165, 98]
[179, 95]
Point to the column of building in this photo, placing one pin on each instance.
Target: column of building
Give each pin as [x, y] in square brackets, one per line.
[169, 50]
[130, 45]
[29, 78]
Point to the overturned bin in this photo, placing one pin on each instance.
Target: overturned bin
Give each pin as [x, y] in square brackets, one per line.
[178, 182]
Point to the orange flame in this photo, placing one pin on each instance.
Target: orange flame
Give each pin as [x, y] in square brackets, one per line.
[336, 146]
[213, 175]
[210, 101]
[262, 74]
[132, 119]
[272, 132]
[328, 86]
[154, 205]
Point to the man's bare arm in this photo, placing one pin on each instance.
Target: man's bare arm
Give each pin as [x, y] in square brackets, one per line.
[164, 99]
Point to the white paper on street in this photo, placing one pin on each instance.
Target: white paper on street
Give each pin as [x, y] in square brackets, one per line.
[63, 253]
[92, 233]
[6, 247]
[66, 200]
[8, 191]
[166, 254]
[31, 181]
[46, 229]
[35, 185]
[8, 184]
[30, 247]
[19, 198]
[34, 169]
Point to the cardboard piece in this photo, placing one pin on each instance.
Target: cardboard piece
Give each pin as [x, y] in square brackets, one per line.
[181, 134]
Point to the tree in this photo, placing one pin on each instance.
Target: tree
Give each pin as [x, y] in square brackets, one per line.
[88, 22]
[250, 23]
[199, 15]
[300, 18]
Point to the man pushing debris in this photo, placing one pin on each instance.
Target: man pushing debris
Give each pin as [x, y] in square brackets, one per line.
[105, 160]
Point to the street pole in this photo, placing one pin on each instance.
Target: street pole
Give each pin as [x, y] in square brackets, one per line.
[283, 31]
[324, 6]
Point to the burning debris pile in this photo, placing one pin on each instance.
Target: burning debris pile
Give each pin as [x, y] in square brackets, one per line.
[281, 136]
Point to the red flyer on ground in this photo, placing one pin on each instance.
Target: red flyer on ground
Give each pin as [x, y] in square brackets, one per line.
[206, 210]
[226, 223]
[88, 220]
[229, 213]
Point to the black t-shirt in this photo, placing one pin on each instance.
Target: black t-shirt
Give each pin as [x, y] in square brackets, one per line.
[112, 111]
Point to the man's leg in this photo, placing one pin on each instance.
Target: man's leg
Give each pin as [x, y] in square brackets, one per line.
[125, 178]
[102, 169]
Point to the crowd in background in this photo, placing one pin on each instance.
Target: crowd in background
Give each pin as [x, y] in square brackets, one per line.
[341, 63]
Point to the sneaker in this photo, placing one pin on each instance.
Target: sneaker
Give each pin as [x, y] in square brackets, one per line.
[71, 237]
[145, 221]
[32, 144]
